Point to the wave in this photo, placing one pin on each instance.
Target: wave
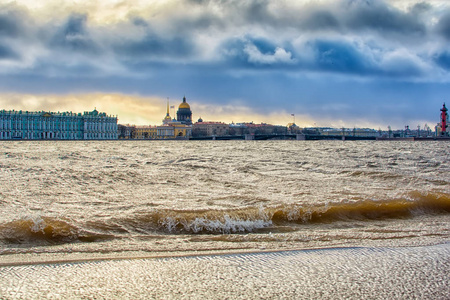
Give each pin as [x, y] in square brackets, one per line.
[243, 220]
[254, 218]
[45, 230]
[414, 204]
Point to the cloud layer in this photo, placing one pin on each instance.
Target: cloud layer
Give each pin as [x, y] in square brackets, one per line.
[208, 47]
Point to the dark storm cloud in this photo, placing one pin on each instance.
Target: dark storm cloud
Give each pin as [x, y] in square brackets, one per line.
[320, 20]
[258, 11]
[420, 8]
[74, 35]
[138, 21]
[338, 16]
[349, 37]
[151, 45]
[154, 46]
[327, 55]
[443, 26]
[379, 17]
[7, 53]
[340, 57]
[443, 60]
[11, 21]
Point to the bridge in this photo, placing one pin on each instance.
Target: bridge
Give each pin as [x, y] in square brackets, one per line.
[304, 137]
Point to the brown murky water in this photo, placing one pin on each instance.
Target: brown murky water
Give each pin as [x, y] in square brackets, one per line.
[76, 201]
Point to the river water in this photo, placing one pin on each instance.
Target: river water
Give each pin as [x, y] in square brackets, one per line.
[89, 200]
[174, 196]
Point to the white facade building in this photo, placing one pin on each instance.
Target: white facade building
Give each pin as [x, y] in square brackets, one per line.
[57, 126]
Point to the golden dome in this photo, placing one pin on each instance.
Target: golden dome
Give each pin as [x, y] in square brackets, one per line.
[184, 104]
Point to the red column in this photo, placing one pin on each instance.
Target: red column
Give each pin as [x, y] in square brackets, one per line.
[444, 120]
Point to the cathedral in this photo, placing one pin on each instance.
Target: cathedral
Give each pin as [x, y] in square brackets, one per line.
[184, 113]
[181, 127]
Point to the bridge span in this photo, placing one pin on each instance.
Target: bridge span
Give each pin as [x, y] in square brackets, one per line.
[304, 137]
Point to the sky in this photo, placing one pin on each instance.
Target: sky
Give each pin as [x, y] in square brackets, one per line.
[352, 63]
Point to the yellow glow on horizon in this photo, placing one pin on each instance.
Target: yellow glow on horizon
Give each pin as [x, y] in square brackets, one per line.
[140, 110]
[129, 109]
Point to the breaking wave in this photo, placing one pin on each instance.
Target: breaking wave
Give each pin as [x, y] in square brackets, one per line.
[244, 220]
[45, 230]
[252, 219]
[414, 204]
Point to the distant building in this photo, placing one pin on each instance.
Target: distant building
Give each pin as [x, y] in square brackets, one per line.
[293, 128]
[258, 129]
[210, 129]
[265, 129]
[145, 132]
[237, 129]
[126, 131]
[174, 130]
[57, 126]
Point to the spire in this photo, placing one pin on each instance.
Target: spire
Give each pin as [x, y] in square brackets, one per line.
[167, 105]
[184, 99]
[167, 118]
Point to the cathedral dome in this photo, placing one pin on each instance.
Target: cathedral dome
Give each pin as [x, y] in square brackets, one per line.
[184, 104]
[184, 113]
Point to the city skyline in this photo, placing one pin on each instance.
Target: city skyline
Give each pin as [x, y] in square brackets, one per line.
[331, 63]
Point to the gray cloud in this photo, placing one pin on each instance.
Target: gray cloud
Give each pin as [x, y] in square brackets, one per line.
[320, 20]
[443, 26]
[74, 35]
[443, 60]
[379, 17]
[420, 8]
[7, 53]
[11, 21]
[153, 46]
[343, 16]
[340, 57]
[325, 55]
[348, 37]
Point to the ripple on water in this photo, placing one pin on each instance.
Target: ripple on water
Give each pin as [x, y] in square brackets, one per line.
[376, 273]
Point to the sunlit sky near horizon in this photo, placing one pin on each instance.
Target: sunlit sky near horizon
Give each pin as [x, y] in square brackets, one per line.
[334, 63]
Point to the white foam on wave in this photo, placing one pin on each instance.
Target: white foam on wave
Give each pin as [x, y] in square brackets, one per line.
[227, 225]
[35, 222]
[39, 224]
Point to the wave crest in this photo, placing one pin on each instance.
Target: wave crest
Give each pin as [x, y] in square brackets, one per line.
[249, 219]
[38, 229]
[415, 203]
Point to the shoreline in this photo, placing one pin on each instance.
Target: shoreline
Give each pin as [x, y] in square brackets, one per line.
[327, 273]
[44, 258]
[238, 138]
